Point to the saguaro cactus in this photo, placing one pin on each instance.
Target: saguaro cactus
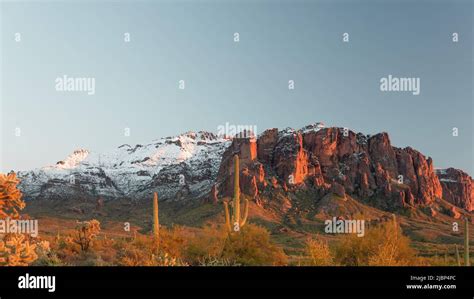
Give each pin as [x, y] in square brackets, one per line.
[458, 259]
[234, 221]
[156, 220]
[394, 221]
[396, 229]
[466, 242]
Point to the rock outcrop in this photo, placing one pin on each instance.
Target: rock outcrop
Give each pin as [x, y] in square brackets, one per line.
[458, 187]
[341, 161]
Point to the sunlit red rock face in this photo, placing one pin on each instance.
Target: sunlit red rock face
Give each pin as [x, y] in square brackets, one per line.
[458, 187]
[334, 159]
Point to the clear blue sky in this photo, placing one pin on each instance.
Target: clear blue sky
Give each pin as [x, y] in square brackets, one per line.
[240, 83]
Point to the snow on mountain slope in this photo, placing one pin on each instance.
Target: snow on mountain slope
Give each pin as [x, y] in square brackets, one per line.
[331, 159]
[173, 166]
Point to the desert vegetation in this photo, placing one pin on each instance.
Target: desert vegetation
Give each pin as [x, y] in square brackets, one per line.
[234, 242]
[16, 249]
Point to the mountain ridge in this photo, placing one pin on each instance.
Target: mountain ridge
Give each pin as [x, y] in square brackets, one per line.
[196, 165]
[129, 171]
[341, 161]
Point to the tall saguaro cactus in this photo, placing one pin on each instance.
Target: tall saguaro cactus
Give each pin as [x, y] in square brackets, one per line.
[394, 221]
[234, 221]
[458, 260]
[156, 220]
[466, 242]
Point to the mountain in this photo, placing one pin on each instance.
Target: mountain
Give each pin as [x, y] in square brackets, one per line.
[316, 159]
[181, 166]
[340, 161]
[458, 187]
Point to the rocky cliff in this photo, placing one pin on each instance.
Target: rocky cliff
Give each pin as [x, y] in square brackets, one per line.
[344, 162]
[458, 187]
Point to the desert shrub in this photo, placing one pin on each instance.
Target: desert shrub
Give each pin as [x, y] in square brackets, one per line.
[383, 245]
[10, 197]
[90, 258]
[50, 259]
[436, 260]
[206, 245]
[86, 232]
[70, 249]
[16, 251]
[64, 251]
[67, 247]
[210, 261]
[318, 253]
[141, 251]
[165, 259]
[252, 247]
[106, 249]
[173, 241]
[138, 252]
